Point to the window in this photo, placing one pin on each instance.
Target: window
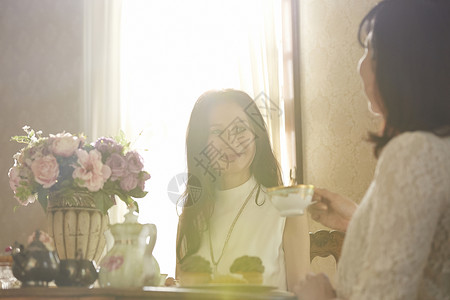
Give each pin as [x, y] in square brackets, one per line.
[173, 51]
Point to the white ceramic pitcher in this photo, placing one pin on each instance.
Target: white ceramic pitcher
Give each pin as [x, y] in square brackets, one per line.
[130, 261]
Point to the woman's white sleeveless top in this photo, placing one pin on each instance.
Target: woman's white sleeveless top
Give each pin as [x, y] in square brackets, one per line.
[257, 232]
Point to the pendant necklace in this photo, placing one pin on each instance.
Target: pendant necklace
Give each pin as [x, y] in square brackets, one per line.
[230, 230]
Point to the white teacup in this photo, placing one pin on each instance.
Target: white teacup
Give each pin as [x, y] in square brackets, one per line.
[291, 200]
[162, 280]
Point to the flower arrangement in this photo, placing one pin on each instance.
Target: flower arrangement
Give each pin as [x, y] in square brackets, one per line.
[64, 164]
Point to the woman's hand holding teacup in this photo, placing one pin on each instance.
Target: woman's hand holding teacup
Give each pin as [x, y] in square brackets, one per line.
[331, 209]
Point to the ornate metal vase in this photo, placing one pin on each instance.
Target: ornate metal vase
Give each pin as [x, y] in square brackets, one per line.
[77, 226]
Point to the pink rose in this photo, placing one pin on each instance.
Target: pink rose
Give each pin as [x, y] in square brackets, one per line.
[65, 144]
[129, 182]
[91, 170]
[118, 166]
[134, 161]
[45, 170]
[14, 178]
[142, 179]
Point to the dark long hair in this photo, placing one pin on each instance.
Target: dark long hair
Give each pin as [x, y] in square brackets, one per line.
[197, 200]
[411, 53]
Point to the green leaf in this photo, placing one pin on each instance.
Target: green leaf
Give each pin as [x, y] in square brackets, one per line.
[127, 199]
[88, 147]
[122, 140]
[110, 186]
[43, 198]
[136, 205]
[102, 201]
[22, 191]
[122, 196]
[21, 139]
[78, 182]
[137, 193]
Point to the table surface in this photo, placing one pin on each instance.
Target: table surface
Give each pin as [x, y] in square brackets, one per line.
[76, 293]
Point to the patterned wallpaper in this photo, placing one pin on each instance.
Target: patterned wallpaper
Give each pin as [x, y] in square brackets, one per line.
[40, 86]
[335, 114]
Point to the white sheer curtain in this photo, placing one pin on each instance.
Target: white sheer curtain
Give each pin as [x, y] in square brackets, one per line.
[170, 53]
[101, 76]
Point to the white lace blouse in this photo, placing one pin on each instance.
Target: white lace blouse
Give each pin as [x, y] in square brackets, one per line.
[398, 243]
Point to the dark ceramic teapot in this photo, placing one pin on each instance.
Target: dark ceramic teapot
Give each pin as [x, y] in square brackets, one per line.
[35, 265]
[76, 272]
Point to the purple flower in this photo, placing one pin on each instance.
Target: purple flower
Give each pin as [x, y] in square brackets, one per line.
[135, 163]
[129, 182]
[108, 145]
[144, 176]
[118, 166]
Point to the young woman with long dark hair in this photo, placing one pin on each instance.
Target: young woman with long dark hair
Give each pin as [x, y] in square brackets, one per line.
[226, 211]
